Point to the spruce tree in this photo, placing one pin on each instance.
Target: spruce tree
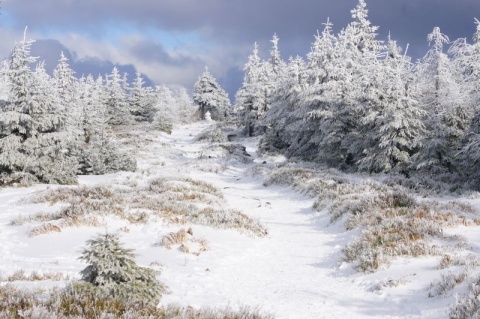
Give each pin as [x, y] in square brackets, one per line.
[98, 152]
[209, 96]
[141, 101]
[393, 125]
[33, 145]
[117, 104]
[65, 84]
[249, 99]
[446, 117]
[112, 268]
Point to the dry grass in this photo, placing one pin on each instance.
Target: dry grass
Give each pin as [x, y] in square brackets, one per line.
[185, 241]
[390, 221]
[21, 275]
[401, 228]
[178, 200]
[470, 261]
[85, 304]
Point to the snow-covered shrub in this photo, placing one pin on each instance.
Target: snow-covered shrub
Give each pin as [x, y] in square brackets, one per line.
[226, 151]
[21, 275]
[470, 261]
[295, 177]
[228, 219]
[467, 306]
[446, 283]
[100, 158]
[388, 283]
[112, 269]
[388, 232]
[212, 134]
[14, 301]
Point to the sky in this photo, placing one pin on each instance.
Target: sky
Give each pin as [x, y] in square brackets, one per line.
[171, 41]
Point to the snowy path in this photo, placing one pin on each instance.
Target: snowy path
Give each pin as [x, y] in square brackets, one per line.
[292, 273]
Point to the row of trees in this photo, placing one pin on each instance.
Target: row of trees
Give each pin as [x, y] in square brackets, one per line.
[54, 127]
[360, 103]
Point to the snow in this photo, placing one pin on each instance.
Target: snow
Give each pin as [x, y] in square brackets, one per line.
[294, 272]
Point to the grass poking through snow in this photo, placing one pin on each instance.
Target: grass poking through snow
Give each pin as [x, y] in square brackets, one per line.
[177, 200]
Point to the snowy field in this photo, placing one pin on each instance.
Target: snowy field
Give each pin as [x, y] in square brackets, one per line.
[295, 271]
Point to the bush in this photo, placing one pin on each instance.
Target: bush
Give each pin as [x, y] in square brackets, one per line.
[113, 270]
[212, 134]
[467, 306]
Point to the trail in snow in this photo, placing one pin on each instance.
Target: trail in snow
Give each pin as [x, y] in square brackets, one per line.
[292, 273]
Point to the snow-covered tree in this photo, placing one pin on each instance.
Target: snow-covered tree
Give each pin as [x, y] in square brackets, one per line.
[32, 143]
[209, 96]
[184, 106]
[348, 90]
[117, 103]
[65, 83]
[394, 123]
[141, 100]
[447, 116]
[467, 63]
[164, 109]
[320, 79]
[97, 151]
[112, 268]
[277, 65]
[250, 98]
[285, 119]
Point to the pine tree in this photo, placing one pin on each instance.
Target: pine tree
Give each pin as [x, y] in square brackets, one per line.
[141, 101]
[32, 144]
[65, 84]
[347, 93]
[271, 74]
[184, 106]
[209, 96]
[53, 160]
[285, 119]
[250, 97]
[112, 268]
[315, 102]
[393, 125]
[98, 152]
[446, 116]
[117, 104]
[467, 64]
[277, 66]
[164, 118]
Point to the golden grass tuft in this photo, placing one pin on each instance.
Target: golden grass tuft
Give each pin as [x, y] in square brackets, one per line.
[185, 241]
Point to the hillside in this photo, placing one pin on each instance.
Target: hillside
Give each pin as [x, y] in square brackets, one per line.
[242, 244]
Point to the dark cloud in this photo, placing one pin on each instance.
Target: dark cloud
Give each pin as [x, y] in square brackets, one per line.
[231, 81]
[233, 26]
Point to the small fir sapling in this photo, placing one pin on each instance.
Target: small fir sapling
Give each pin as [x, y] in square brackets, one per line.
[112, 269]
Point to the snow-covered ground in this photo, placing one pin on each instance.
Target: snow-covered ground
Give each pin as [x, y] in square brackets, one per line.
[293, 272]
